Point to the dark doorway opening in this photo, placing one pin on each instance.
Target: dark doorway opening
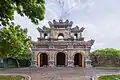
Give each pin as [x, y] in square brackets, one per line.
[60, 36]
[43, 59]
[78, 60]
[60, 59]
[45, 36]
[75, 36]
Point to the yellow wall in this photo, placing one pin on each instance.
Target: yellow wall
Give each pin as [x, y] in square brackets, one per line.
[38, 59]
[83, 61]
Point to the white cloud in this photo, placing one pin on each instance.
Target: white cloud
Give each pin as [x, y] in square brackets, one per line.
[99, 17]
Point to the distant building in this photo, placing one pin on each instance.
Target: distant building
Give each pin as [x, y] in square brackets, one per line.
[61, 45]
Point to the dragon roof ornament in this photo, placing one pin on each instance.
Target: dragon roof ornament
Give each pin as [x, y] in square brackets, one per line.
[60, 23]
[77, 29]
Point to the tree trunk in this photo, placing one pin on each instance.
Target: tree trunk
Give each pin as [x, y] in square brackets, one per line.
[18, 65]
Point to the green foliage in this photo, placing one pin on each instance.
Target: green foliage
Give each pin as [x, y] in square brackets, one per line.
[109, 77]
[106, 57]
[33, 9]
[14, 43]
[108, 67]
[108, 53]
[7, 77]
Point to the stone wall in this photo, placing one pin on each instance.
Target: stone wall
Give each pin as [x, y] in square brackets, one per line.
[69, 56]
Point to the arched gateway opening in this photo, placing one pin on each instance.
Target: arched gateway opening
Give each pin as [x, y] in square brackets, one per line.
[43, 59]
[78, 59]
[60, 59]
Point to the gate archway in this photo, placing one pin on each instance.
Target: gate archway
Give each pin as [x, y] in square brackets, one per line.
[78, 60]
[43, 59]
[60, 59]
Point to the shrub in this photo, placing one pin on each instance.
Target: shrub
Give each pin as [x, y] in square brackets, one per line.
[105, 57]
[109, 77]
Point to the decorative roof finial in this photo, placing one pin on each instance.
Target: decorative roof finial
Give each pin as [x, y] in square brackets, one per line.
[67, 21]
[54, 21]
[82, 29]
[60, 21]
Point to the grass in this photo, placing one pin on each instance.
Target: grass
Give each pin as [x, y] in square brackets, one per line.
[107, 67]
[7, 77]
[109, 77]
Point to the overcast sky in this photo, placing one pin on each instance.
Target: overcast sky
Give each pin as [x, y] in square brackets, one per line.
[101, 19]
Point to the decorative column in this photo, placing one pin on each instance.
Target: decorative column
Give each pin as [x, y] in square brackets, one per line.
[70, 60]
[87, 63]
[87, 57]
[35, 56]
[34, 60]
[51, 61]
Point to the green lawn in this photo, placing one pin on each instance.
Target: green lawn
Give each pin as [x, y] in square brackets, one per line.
[107, 67]
[6, 77]
[109, 77]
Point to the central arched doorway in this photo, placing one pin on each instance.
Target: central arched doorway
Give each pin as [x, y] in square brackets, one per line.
[60, 59]
[43, 59]
[78, 59]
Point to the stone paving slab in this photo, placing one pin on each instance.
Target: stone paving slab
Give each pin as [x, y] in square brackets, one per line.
[58, 73]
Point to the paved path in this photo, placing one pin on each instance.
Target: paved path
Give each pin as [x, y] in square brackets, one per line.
[58, 73]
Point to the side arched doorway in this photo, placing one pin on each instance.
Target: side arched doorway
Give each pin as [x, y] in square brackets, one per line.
[43, 59]
[60, 59]
[78, 60]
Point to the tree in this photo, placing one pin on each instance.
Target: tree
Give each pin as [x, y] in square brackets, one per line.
[105, 56]
[14, 43]
[33, 9]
